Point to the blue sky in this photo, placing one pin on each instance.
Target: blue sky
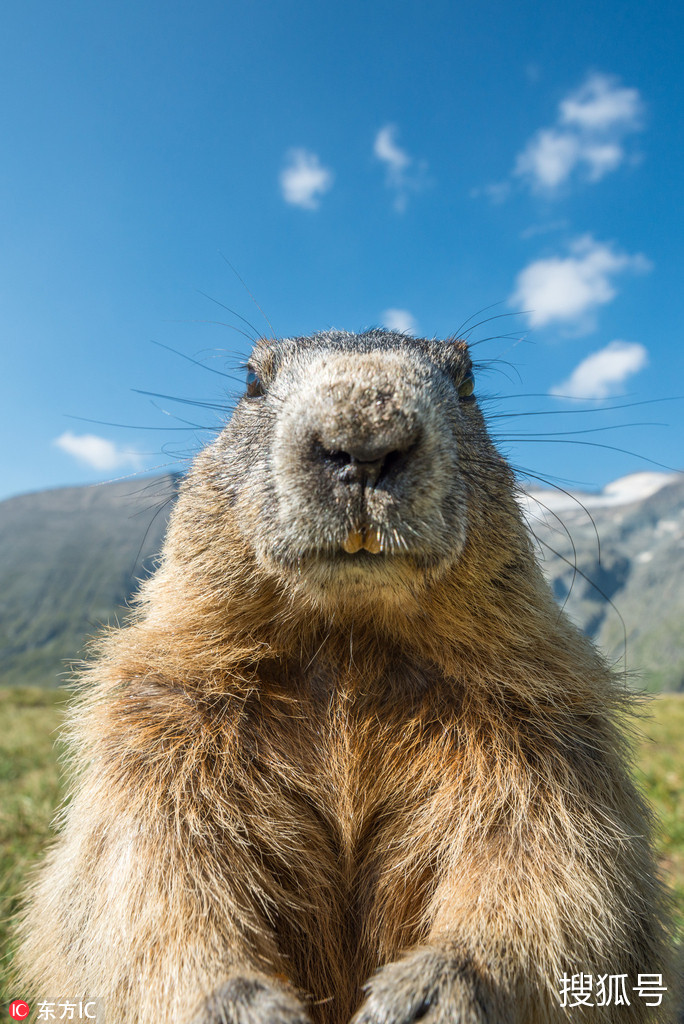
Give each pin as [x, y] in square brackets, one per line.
[406, 164]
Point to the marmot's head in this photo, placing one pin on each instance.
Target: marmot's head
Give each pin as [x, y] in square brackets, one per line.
[358, 467]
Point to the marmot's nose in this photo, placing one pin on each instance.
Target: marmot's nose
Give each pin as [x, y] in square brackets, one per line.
[366, 463]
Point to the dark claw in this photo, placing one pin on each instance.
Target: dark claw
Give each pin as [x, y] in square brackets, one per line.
[251, 999]
[428, 985]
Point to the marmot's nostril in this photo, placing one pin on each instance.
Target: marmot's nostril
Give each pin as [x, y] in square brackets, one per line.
[364, 463]
[367, 472]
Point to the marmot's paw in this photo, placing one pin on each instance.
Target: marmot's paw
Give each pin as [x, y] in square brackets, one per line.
[428, 985]
[251, 999]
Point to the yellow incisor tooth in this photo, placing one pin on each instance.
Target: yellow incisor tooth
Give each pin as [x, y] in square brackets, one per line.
[371, 542]
[353, 543]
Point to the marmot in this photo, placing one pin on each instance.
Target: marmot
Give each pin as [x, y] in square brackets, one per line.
[348, 758]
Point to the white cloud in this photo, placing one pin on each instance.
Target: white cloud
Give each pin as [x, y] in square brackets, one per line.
[400, 320]
[569, 288]
[304, 180]
[587, 138]
[386, 148]
[602, 158]
[600, 103]
[96, 451]
[603, 373]
[548, 158]
[403, 173]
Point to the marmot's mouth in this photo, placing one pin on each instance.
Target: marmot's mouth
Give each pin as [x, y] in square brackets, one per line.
[370, 549]
[333, 565]
[363, 540]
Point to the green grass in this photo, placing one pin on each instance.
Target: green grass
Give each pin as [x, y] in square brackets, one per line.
[30, 791]
[660, 757]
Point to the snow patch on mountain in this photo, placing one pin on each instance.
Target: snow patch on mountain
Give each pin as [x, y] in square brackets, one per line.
[624, 491]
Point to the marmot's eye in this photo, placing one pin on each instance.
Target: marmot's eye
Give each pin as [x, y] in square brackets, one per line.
[255, 388]
[467, 386]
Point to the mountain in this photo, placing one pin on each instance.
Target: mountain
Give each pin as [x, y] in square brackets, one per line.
[70, 558]
[615, 560]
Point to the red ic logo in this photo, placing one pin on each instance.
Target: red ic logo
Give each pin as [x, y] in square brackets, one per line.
[19, 1010]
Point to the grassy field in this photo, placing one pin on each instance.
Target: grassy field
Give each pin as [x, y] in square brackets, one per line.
[29, 793]
[660, 772]
[30, 790]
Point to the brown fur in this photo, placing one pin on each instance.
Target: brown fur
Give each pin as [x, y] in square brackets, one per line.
[296, 769]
